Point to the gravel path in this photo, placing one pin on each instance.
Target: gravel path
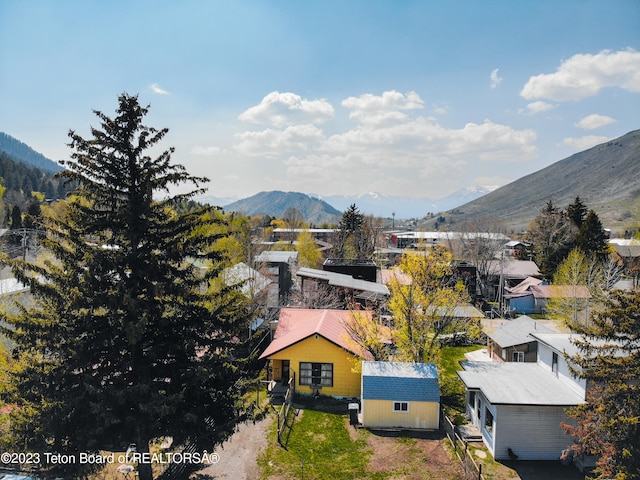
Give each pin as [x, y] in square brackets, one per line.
[238, 454]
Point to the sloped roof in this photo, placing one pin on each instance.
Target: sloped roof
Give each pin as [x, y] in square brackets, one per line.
[514, 268]
[524, 286]
[566, 343]
[560, 291]
[12, 285]
[626, 248]
[276, 256]
[343, 280]
[249, 280]
[517, 332]
[387, 275]
[400, 381]
[297, 324]
[518, 383]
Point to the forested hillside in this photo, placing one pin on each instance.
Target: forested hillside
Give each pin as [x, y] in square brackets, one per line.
[20, 186]
[23, 153]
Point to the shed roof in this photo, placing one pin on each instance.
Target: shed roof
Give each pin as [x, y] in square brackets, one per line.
[400, 381]
[298, 324]
[517, 332]
[518, 383]
[399, 369]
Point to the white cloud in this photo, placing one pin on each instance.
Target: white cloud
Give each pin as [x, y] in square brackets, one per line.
[495, 78]
[595, 121]
[377, 109]
[393, 148]
[584, 143]
[584, 75]
[280, 109]
[206, 151]
[294, 138]
[538, 107]
[155, 88]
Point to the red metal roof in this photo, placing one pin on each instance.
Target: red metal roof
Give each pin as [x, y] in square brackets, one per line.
[297, 324]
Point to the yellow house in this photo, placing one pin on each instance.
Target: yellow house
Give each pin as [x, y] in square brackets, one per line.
[400, 395]
[313, 347]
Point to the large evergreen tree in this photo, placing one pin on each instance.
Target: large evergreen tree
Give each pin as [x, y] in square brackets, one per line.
[128, 340]
[608, 425]
[552, 235]
[592, 237]
[577, 212]
[355, 236]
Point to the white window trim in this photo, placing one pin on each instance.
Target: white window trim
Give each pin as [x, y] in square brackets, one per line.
[399, 403]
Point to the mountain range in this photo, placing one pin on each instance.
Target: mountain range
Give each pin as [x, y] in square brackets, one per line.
[372, 203]
[605, 177]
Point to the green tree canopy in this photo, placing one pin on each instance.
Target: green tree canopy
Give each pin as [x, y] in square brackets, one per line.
[552, 235]
[123, 344]
[356, 236]
[592, 238]
[424, 309]
[608, 425]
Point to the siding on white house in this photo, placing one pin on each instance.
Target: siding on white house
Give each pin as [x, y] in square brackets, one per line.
[532, 432]
[545, 360]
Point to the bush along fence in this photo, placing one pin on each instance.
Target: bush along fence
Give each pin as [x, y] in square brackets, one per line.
[472, 469]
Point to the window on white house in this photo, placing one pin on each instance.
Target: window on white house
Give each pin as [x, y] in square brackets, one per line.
[518, 356]
[316, 374]
[554, 362]
[488, 420]
[401, 407]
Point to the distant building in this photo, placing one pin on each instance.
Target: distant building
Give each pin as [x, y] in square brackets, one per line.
[278, 266]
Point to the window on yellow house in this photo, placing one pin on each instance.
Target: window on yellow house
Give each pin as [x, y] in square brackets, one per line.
[316, 374]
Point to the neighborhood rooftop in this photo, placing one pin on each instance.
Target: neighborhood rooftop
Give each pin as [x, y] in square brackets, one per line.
[518, 384]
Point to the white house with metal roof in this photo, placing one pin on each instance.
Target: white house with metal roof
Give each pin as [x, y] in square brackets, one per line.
[511, 341]
[400, 395]
[519, 406]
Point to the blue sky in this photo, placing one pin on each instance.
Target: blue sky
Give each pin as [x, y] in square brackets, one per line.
[412, 98]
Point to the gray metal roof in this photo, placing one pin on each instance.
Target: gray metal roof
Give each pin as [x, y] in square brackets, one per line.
[343, 280]
[518, 383]
[513, 269]
[516, 332]
[277, 256]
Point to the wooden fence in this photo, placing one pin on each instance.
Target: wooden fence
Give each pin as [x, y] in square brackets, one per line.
[283, 414]
[472, 469]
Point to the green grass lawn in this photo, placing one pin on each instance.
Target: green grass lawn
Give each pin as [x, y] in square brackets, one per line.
[452, 391]
[318, 447]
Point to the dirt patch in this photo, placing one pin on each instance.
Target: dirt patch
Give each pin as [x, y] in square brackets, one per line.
[409, 455]
[238, 454]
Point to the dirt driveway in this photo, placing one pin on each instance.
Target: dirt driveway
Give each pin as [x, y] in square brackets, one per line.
[238, 454]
